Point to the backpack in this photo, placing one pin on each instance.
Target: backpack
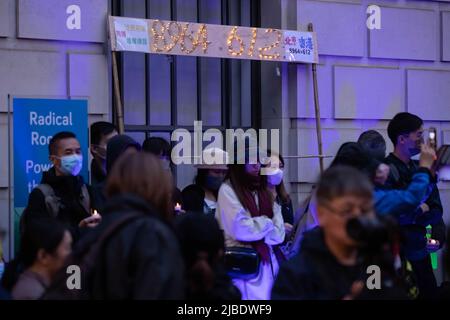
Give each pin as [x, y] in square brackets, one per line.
[86, 258]
[53, 203]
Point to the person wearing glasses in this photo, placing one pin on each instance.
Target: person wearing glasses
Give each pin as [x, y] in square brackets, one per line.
[327, 266]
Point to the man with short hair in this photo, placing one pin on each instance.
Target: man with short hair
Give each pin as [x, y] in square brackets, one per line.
[373, 143]
[101, 133]
[160, 147]
[117, 146]
[62, 193]
[406, 133]
[330, 264]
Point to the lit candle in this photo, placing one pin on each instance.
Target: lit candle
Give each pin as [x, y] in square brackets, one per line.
[432, 241]
[95, 214]
[177, 207]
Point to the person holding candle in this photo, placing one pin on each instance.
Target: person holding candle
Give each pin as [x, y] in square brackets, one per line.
[63, 194]
[405, 131]
[140, 258]
[402, 204]
[161, 148]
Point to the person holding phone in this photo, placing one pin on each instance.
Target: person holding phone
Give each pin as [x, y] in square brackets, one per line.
[406, 133]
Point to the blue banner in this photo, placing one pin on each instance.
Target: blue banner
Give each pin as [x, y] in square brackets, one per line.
[35, 122]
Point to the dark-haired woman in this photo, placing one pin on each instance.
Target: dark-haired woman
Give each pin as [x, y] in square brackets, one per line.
[141, 259]
[275, 184]
[251, 218]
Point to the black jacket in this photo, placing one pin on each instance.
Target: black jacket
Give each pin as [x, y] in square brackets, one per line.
[68, 189]
[97, 174]
[415, 232]
[116, 147]
[140, 261]
[287, 210]
[314, 274]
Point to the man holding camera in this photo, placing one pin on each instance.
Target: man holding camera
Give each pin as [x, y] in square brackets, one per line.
[405, 131]
[329, 264]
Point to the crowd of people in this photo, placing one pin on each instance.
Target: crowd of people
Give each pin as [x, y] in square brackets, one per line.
[233, 234]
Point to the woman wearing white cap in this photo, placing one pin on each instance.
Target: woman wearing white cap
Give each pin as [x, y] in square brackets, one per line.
[202, 195]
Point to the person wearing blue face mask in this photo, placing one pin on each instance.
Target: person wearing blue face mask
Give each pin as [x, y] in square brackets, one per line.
[63, 193]
[202, 195]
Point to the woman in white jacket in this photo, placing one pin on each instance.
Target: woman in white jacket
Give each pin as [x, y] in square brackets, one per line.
[251, 218]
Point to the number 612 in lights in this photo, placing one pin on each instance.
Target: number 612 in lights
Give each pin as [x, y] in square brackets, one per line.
[233, 37]
[167, 35]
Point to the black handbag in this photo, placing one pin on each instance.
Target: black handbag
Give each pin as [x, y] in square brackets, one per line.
[242, 263]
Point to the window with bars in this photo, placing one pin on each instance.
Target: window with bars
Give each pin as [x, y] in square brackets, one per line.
[162, 93]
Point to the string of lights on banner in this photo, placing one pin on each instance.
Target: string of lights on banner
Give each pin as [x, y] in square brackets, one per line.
[209, 40]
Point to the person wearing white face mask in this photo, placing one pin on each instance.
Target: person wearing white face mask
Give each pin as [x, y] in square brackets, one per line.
[63, 193]
[275, 174]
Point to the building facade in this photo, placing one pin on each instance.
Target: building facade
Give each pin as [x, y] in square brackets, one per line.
[59, 48]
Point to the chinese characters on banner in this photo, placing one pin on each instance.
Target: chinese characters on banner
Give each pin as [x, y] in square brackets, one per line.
[131, 35]
[208, 40]
[299, 46]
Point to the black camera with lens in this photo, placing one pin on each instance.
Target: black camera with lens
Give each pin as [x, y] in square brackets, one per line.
[379, 241]
[376, 237]
[369, 232]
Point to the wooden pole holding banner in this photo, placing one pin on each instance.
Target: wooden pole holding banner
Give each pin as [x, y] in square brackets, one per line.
[116, 82]
[118, 104]
[317, 109]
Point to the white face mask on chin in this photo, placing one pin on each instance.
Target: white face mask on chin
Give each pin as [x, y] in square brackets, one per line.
[275, 178]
